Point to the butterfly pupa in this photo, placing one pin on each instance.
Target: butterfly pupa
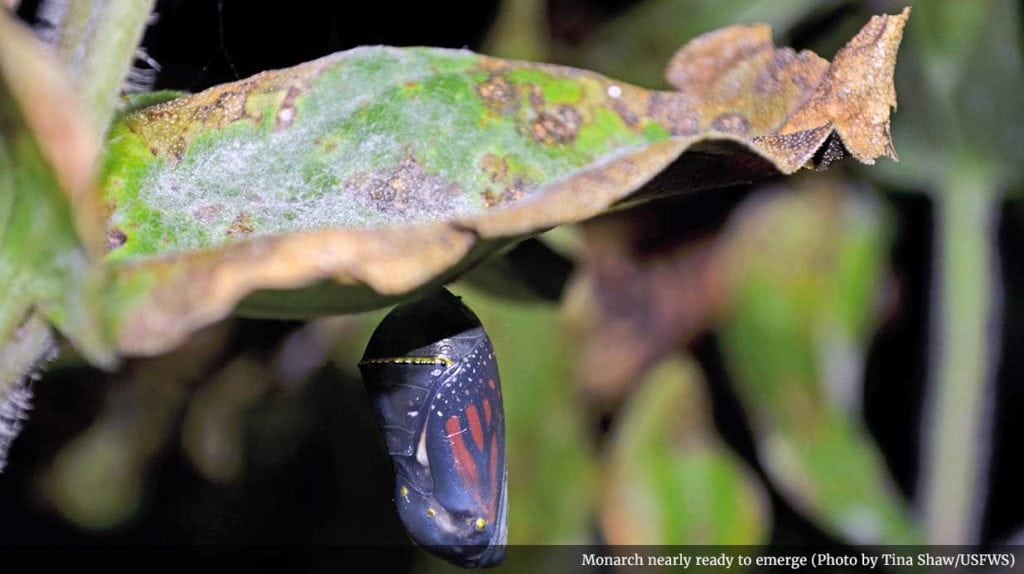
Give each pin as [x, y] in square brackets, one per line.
[432, 377]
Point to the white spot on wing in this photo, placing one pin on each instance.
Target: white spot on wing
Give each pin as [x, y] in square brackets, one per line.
[421, 450]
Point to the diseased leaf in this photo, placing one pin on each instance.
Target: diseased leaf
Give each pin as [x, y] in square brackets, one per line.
[804, 267]
[362, 177]
[50, 223]
[670, 479]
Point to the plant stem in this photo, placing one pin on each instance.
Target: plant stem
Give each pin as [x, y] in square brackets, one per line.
[520, 31]
[965, 342]
[30, 345]
[97, 40]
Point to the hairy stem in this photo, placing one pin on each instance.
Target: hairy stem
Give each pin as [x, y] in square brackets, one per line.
[965, 342]
[31, 344]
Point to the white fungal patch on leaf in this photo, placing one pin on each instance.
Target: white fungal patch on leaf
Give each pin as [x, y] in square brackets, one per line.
[372, 137]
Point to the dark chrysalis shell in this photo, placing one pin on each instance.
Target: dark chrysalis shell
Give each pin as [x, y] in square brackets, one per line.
[433, 379]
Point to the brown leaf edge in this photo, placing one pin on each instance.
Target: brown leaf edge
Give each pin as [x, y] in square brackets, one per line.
[157, 303]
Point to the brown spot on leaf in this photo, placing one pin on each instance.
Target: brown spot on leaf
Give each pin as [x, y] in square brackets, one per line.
[240, 226]
[514, 192]
[506, 188]
[734, 124]
[208, 213]
[671, 111]
[499, 94]
[158, 113]
[628, 116]
[287, 112]
[698, 66]
[115, 238]
[229, 105]
[405, 188]
[398, 184]
[178, 147]
[494, 166]
[558, 126]
[788, 74]
[536, 98]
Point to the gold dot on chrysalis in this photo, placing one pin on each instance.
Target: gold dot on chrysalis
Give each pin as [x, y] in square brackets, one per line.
[480, 524]
[431, 513]
[404, 491]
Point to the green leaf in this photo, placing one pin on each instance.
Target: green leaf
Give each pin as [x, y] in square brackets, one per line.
[805, 269]
[670, 479]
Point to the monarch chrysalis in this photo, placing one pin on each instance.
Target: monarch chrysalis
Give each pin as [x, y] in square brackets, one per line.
[431, 373]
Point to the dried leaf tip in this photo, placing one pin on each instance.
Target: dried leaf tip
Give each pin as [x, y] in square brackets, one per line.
[857, 93]
[797, 92]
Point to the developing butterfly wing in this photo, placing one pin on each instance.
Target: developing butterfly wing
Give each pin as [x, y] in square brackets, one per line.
[432, 375]
[465, 440]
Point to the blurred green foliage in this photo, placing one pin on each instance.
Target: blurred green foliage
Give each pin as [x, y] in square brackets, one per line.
[809, 264]
[669, 479]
